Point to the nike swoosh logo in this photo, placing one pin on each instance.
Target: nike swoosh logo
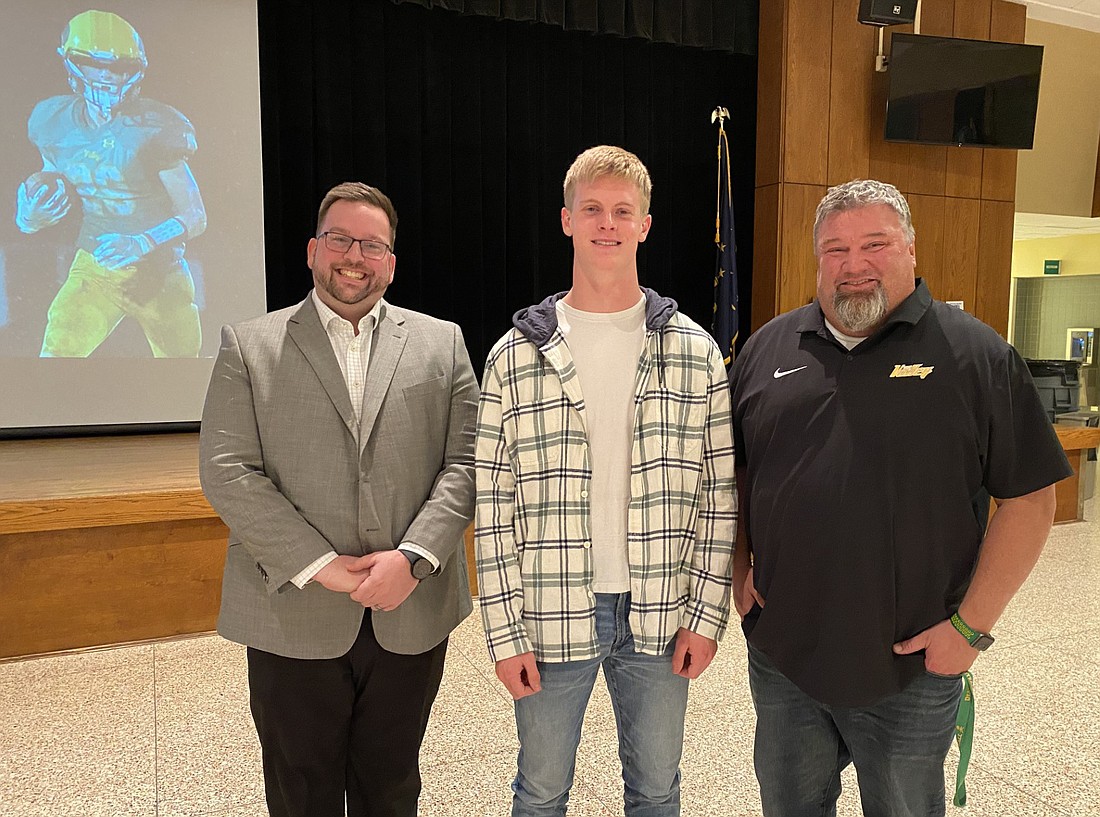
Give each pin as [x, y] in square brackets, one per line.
[780, 373]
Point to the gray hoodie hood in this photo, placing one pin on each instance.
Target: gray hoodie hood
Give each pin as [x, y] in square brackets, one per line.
[537, 323]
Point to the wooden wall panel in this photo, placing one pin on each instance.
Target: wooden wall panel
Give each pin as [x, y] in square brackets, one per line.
[995, 264]
[999, 174]
[964, 172]
[928, 218]
[769, 89]
[470, 542]
[806, 98]
[1007, 22]
[851, 75]
[962, 220]
[937, 17]
[1067, 494]
[797, 265]
[972, 19]
[927, 170]
[86, 587]
[765, 255]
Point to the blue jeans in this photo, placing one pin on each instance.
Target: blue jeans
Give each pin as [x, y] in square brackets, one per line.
[898, 746]
[649, 702]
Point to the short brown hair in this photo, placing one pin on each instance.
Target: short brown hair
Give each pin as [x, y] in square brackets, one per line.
[357, 191]
[608, 160]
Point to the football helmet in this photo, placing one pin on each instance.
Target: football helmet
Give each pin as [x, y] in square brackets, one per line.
[105, 59]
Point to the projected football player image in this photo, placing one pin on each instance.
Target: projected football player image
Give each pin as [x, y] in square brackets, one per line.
[119, 161]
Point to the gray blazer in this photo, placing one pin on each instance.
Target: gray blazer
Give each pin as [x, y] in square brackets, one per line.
[280, 464]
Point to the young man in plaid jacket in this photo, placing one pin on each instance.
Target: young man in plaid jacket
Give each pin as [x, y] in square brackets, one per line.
[605, 503]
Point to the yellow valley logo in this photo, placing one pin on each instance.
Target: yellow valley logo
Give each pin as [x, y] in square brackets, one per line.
[911, 370]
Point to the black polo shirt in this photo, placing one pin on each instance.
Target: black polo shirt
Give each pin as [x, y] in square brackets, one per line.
[868, 477]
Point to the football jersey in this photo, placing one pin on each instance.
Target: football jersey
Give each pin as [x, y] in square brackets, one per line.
[114, 167]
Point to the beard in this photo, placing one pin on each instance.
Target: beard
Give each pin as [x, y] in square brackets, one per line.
[346, 292]
[859, 311]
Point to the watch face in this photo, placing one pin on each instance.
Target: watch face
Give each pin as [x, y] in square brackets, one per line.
[422, 568]
[983, 642]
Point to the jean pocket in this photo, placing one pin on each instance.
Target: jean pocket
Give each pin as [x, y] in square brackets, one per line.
[941, 675]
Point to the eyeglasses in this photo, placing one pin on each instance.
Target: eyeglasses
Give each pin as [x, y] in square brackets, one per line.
[338, 242]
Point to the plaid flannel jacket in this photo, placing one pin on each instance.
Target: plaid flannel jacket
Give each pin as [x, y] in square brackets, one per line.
[534, 562]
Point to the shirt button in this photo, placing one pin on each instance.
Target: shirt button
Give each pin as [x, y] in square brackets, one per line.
[849, 357]
[587, 545]
[584, 494]
[584, 446]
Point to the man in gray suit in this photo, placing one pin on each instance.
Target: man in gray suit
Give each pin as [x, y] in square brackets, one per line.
[337, 444]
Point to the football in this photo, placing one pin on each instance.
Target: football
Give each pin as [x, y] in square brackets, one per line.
[44, 183]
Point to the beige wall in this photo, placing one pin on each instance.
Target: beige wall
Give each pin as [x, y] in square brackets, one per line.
[1080, 254]
[1058, 174]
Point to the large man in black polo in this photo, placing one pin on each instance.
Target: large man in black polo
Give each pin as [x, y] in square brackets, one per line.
[871, 428]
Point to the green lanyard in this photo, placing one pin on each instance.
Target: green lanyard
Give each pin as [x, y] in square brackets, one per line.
[964, 737]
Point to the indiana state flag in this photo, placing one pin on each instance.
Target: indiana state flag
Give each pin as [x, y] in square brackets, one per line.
[724, 327]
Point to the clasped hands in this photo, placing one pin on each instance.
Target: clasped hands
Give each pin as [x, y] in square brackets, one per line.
[380, 581]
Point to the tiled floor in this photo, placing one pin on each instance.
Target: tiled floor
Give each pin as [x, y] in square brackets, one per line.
[164, 729]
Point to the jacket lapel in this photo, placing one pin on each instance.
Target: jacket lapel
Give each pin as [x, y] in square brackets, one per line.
[307, 333]
[389, 343]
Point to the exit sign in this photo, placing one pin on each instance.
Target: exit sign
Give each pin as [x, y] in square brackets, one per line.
[1052, 267]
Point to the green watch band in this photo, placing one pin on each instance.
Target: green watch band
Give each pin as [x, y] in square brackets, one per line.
[977, 640]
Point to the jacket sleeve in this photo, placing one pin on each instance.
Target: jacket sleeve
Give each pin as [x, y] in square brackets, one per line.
[231, 470]
[712, 559]
[442, 519]
[500, 585]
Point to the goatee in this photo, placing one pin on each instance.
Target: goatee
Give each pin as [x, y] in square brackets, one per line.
[859, 311]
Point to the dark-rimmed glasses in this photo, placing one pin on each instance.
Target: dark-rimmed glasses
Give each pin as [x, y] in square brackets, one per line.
[338, 242]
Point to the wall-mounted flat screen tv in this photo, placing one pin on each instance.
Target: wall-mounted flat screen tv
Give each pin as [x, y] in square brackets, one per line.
[950, 91]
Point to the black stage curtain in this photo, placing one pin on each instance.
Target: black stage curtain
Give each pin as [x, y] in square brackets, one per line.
[469, 125]
[729, 25]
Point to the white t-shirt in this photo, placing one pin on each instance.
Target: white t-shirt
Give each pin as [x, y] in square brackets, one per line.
[605, 347]
[849, 342]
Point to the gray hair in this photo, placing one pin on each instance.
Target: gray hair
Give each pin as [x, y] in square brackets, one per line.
[864, 193]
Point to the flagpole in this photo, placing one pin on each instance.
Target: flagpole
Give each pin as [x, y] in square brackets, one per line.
[719, 115]
[725, 321]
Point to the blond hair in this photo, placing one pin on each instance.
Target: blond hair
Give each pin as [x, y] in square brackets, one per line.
[608, 160]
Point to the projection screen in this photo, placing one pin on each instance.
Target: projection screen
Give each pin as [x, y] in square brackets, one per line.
[131, 223]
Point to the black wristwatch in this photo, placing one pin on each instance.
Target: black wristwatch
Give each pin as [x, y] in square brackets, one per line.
[421, 568]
